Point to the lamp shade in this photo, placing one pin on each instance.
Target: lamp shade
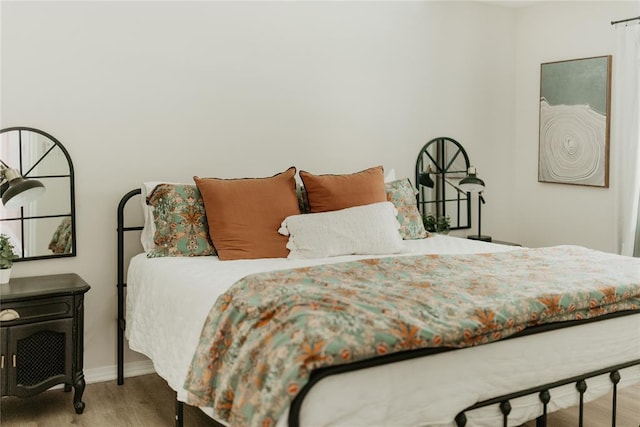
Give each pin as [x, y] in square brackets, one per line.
[20, 191]
[471, 183]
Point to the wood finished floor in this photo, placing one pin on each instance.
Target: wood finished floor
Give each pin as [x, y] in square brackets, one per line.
[148, 401]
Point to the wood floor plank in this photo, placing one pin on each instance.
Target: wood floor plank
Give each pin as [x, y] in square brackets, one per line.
[142, 401]
[147, 400]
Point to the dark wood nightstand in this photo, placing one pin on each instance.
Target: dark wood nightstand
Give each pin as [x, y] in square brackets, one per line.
[41, 335]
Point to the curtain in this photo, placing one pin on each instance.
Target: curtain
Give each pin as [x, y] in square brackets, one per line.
[625, 135]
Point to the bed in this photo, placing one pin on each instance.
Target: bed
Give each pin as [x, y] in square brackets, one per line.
[505, 382]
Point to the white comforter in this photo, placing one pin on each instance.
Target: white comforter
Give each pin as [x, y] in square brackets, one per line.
[168, 300]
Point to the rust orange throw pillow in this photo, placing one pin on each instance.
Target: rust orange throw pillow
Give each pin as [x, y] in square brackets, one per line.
[334, 192]
[244, 214]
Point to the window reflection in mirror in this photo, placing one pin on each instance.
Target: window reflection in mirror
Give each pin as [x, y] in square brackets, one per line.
[44, 228]
[446, 162]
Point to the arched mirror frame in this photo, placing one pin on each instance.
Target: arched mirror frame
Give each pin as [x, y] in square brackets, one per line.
[444, 157]
[28, 174]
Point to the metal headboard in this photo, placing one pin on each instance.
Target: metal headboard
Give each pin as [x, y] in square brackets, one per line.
[122, 324]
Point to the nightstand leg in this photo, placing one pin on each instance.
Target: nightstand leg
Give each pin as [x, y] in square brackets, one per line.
[67, 388]
[78, 404]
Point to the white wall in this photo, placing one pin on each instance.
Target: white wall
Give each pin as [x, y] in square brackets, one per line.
[168, 90]
[552, 214]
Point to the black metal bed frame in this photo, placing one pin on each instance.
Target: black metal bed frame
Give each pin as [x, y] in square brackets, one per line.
[544, 391]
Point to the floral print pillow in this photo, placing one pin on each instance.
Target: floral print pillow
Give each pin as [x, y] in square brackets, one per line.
[62, 239]
[181, 224]
[303, 201]
[402, 194]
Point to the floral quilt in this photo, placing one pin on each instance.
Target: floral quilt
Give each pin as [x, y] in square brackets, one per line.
[265, 335]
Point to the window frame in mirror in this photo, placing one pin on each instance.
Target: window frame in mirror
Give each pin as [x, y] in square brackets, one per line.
[22, 217]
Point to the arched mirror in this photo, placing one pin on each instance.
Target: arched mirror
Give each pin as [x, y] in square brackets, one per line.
[440, 166]
[45, 227]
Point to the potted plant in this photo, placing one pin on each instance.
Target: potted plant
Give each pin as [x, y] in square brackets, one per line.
[442, 224]
[6, 258]
[429, 223]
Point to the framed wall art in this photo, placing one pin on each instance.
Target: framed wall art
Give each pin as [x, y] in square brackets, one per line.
[575, 107]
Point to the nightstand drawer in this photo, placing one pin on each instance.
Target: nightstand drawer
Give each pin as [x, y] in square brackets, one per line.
[15, 313]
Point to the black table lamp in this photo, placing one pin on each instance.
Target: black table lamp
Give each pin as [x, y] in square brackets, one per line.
[472, 184]
[16, 190]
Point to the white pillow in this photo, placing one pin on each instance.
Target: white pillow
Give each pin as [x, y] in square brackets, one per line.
[389, 175]
[361, 230]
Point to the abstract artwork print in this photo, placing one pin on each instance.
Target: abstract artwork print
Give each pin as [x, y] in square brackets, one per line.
[574, 121]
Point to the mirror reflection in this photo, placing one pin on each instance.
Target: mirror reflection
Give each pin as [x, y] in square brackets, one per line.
[440, 166]
[45, 227]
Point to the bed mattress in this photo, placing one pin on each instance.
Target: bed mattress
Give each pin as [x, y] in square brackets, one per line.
[168, 300]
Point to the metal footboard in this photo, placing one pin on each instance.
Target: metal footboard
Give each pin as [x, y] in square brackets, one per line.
[544, 393]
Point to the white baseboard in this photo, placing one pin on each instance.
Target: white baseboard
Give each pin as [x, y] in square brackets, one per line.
[108, 373]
